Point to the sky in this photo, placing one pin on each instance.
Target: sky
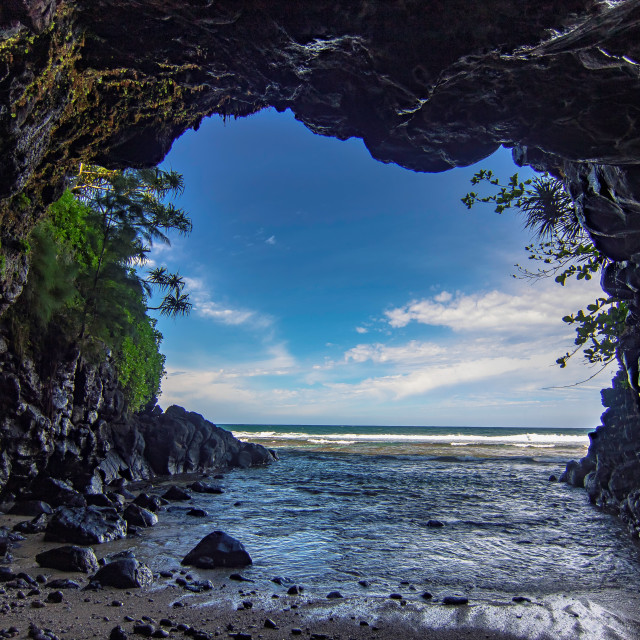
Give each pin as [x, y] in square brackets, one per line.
[329, 288]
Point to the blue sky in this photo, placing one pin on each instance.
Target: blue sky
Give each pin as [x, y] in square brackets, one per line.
[329, 288]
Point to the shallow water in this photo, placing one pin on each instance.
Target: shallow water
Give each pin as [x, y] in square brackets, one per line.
[327, 519]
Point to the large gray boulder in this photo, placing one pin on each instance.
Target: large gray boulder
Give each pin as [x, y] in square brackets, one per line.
[85, 525]
[218, 549]
[69, 558]
[125, 573]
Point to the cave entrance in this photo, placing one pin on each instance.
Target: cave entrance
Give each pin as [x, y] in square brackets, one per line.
[330, 288]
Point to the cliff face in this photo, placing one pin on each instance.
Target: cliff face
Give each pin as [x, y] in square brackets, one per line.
[65, 418]
[428, 86]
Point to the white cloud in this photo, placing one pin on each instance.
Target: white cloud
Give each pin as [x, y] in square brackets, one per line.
[534, 307]
[205, 307]
[271, 240]
[413, 351]
[362, 330]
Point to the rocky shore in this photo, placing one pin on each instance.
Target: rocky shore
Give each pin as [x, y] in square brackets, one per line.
[610, 472]
[72, 572]
[70, 422]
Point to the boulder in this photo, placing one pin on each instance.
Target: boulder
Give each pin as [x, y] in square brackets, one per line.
[30, 508]
[69, 558]
[151, 503]
[56, 493]
[138, 516]
[218, 549]
[98, 500]
[125, 573]
[202, 487]
[176, 493]
[85, 526]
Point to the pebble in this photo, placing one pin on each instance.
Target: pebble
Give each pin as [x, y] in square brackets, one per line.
[166, 574]
[117, 603]
[520, 599]
[38, 604]
[364, 583]
[270, 624]
[166, 622]
[55, 596]
[160, 633]
[427, 596]
[395, 596]
[128, 619]
[332, 595]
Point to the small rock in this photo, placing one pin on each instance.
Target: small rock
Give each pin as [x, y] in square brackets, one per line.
[138, 516]
[176, 494]
[38, 604]
[197, 513]
[160, 633]
[145, 630]
[55, 597]
[434, 523]
[117, 603]
[296, 632]
[62, 583]
[395, 596]
[270, 624]
[118, 633]
[151, 503]
[427, 596]
[520, 599]
[241, 636]
[364, 583]
[332, 595]
[455, 600]
[294, 590]
[553, 478]
[239, 578]
[201, 487]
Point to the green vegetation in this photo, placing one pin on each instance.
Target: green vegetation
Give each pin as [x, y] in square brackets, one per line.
[84, 281]
[562, 250]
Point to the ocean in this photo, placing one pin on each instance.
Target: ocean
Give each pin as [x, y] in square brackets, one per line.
[412, 509]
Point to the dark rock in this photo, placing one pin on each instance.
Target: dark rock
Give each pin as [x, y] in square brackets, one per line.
[6, 574]
[435, 523]
[201, 487]
[160, 633]
[553, 478]
[126, 573]
[395, 596]
[69, 558]
[36, 525]
[99, 500]
[118, 633]
[145, 630]
[197, 513]
[89, 525]
[455, 600]
[364, 583]
[151, 503]
[520, 599]
[270, 624]
[62, 583]
[55, 597]
[138, 516]
[296, 631]
[175, 493]
[30, 508]
[294, 590]
[239, 578]
[334, 595]
[217, 550]
[241, 636]
[427, 596]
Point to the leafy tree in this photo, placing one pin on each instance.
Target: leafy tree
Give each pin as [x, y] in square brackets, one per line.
[563, 250]
[131, 212]
[85, 276]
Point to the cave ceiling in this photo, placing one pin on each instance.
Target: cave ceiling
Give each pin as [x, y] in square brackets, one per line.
[426, 85]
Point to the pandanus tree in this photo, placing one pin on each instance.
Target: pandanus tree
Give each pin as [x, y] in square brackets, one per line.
[131, 211]
[561, 249]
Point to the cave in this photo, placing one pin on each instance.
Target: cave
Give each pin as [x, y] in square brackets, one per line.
[428, 87]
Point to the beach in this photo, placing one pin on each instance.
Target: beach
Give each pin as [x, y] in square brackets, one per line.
[392, 537]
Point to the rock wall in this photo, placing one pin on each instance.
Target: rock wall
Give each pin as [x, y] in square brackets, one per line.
[426, 85]
[71, 423]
